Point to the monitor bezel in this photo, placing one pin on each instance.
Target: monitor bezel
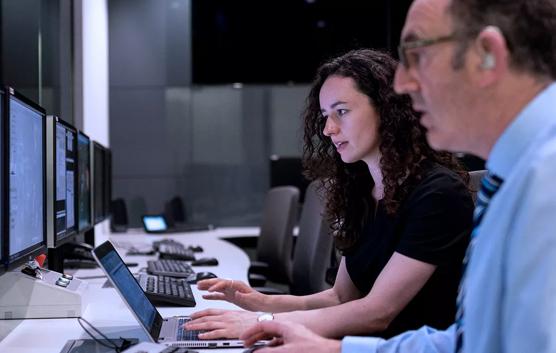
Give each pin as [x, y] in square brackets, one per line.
[52, 238]
[24, 255]
[91, 223]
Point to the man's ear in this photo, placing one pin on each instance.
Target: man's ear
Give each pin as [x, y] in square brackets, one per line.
[491, 47]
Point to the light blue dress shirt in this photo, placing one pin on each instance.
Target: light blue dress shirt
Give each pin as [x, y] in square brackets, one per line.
[510, 303]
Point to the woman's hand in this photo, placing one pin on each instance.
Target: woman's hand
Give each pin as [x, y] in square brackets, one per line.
[235, 292]
[221, 323]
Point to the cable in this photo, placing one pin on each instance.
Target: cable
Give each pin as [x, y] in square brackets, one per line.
[125, 343]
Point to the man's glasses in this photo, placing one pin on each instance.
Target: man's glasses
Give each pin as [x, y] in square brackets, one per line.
[419, 43]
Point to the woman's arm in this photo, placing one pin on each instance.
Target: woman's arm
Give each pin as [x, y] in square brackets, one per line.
[400, 280]
[344, 290]
[230, 324]
[242, 295]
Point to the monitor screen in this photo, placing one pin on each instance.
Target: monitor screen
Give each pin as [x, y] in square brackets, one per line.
[83, 181]
[65, 172]
[98, 182]
[154, 223]
[26, 171]
[127, 285]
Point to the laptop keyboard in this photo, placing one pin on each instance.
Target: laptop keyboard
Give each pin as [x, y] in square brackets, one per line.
[186, 335]
[172, 268]
[167, 290]
[177, 350]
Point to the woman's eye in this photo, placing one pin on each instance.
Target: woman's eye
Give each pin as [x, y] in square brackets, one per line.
[342, 112]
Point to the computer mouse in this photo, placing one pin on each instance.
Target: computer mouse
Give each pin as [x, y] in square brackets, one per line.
[199, 276]
[205, 261]
[196, 248]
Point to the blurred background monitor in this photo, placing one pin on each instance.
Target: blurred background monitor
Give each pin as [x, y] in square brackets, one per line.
[107, 182]
[26, 179]
[288, 171]
[84, 214]
[61, 139]
[98, 182]
[2, 190]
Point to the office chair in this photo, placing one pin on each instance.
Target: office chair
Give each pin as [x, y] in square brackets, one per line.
[313, 250]
[314, 245]
[174, 211]
[119, 220]
[475, 178]
[274, 244]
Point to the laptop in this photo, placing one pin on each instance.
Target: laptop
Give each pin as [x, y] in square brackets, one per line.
[158, 224]
[168, 331]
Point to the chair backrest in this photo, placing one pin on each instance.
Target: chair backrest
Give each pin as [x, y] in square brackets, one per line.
[475, 178]
[174, 211]
[119, 220]
[274, 245]
[313, 249]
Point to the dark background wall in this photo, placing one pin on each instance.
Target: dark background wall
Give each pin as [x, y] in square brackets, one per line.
[209, 140]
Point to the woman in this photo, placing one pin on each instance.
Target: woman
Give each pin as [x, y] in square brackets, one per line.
[400, 212]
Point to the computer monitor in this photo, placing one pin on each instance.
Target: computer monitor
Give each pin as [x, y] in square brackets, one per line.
[84, 214]
[2, 232]
[25, 179]
[107, 182]
[98, 182]
[288, 171]
[61, 171]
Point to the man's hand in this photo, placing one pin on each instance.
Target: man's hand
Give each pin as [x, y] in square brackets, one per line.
[288, 338]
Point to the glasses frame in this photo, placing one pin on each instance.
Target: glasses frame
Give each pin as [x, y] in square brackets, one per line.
[420, 43]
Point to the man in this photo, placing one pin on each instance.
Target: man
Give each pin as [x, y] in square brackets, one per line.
[482, 74]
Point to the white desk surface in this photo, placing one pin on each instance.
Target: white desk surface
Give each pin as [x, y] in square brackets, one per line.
[107, 311]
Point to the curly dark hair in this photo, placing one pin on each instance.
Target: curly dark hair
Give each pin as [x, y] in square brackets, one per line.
[404, 150]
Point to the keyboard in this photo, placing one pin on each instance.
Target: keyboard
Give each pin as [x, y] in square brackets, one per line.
[175, 252]
[172, 268]
[186, 335]
[157, 243]
[167, 290]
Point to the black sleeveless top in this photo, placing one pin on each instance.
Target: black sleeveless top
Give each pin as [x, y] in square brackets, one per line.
[433, 225]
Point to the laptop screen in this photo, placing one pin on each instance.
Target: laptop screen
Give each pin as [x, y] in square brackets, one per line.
[155, 223]
[128, 287]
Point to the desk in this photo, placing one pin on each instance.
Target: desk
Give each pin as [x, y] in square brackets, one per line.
[107, 311]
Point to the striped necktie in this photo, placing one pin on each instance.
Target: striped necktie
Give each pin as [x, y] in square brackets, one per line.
[489, 185]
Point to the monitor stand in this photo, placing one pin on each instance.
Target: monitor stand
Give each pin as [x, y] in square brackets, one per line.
[37, 293]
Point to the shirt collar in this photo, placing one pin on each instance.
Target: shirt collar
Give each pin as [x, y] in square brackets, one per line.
[533, 119]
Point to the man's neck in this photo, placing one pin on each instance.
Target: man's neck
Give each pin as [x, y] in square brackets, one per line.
[506, 104]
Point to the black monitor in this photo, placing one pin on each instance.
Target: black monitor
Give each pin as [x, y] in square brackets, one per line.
[61, 165]
[25, 179]
[288, 171]
[98, 183]
[107, 182]
[84, 214]
[3, 240]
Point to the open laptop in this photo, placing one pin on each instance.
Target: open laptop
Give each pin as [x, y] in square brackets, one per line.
[169, 331]
[157, 223]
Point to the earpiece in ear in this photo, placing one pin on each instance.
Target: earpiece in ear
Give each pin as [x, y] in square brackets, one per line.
[488, 62]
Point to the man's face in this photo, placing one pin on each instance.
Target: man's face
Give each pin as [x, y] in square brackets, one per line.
[438, 91]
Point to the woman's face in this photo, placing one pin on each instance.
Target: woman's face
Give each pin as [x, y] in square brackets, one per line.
[351, 120]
